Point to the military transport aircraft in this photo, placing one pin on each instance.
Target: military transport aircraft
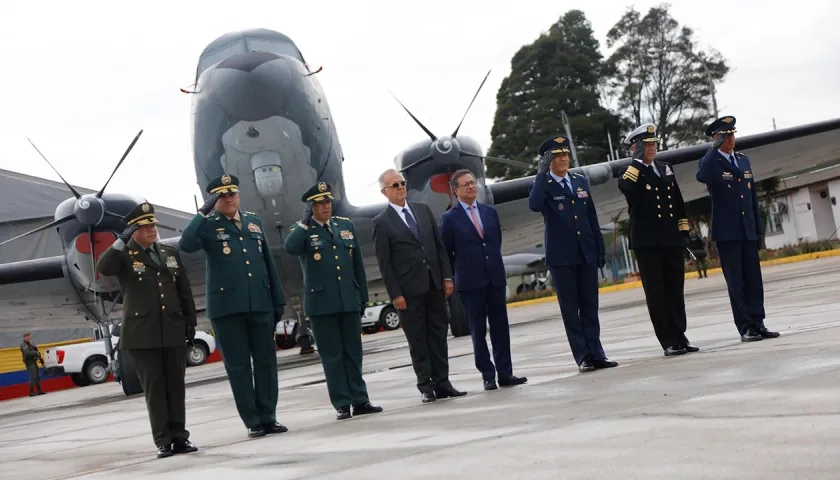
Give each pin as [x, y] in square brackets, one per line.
[258, 112]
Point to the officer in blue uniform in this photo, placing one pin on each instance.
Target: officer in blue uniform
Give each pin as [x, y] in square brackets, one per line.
[335, 296]
[574, 250]
[244, 300]
[736, 226]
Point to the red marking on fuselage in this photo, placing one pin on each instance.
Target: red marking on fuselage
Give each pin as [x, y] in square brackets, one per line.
[101, 242]
[440, 184]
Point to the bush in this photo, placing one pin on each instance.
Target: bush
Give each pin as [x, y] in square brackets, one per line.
[530, 295]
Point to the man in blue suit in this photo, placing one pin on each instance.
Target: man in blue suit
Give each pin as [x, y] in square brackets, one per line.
[472, 236]
[574, 250]
[736, 226]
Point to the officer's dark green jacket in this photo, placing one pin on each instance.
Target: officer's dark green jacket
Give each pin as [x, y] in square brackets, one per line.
[157, 299]
[333, 272]
[241, 273]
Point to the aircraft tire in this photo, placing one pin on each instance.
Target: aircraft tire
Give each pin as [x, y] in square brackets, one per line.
[458, 324]
[128, 377]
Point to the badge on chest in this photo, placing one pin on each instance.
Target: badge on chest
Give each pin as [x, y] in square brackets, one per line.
[254, 228]
[221, 234]
[315, 241]
[171, 262]
[346, 234]
[581, 193]
[139, 267]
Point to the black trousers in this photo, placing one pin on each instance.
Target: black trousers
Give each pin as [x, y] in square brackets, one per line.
[425, 325]
[663, 278]
[483, 306]
[161, 373]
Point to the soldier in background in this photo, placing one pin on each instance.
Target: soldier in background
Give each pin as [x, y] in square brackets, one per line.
[698, 248]
[335, 294]
[31, 358]
[159, 319]
[244, 300]
[658, 237]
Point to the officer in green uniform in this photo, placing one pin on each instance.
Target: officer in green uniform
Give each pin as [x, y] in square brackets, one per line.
[244, 300]
[335, 294]
[159, 319]
[31, 357]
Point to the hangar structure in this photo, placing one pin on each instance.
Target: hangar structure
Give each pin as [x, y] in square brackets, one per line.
[29, 202]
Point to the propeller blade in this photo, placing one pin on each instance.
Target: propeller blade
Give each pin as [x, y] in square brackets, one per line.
[42, 228]
[513, 163]
[77, 194]
[418, 162]
[428, 132]
[454, 134]
[99, 195]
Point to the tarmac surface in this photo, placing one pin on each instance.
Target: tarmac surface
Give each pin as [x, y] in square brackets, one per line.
[762, 410]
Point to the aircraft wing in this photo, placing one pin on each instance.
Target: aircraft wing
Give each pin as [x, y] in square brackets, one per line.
[32, 270]
[777, 153]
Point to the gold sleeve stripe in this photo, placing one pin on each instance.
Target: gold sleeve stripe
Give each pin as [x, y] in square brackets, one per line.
[682, 224]
[631, 174]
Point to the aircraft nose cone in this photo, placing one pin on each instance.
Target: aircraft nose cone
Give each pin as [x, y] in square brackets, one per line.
[89, 209]
[252, 86]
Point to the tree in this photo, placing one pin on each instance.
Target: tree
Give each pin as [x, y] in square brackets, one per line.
[657, 74]
[558, 71]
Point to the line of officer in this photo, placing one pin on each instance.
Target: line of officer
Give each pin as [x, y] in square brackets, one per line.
[31, 358]
[736, 226]
[245, 300]
[335, 297]
[159, 318]
[574, 250]
[658, 237]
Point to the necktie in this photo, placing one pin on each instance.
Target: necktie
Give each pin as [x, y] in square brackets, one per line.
[567, 185]
[474, 215]
[151, 253]
[734, 165]
[411, 224]
[327, 228]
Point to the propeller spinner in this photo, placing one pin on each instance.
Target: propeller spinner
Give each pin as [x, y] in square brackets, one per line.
[89, 209]
[447, 148]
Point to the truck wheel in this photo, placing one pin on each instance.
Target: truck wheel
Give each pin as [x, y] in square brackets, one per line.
[197, 355]
[128, 377]
[389, 318]
[96, 372]
[79, 380]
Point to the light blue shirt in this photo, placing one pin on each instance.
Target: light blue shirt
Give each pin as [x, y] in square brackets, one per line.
[731, 157]
[469, 214]
[562, 180]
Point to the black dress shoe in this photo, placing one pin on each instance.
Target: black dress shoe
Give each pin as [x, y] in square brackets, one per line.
[763, 332]
[254, 432]
[678, 350]
[428, 397]
[691, 348]
[750, 335]
[342, 413]
[586, 366]
[184, 446]
[448, 391]
[605, 363]
[490, 385]
[366, 409]
[512, 381]
[165, 451]
[274, 428]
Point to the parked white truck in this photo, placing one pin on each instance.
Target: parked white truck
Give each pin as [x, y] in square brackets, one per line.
[377, 314]
[87, 363]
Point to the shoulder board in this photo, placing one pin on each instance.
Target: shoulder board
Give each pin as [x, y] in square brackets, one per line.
[341, 218]
[251, 213]
[578, 175]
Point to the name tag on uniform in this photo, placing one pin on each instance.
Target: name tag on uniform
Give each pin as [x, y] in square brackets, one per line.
[562, 197]
[727, 176]
[315, 241]
[747, 174]
[221, 235]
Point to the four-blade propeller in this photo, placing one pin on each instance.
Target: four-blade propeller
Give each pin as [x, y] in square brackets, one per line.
[89, 209]
[449, 145]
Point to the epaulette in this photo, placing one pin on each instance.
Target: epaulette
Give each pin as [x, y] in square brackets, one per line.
[578, 175]
[341, 218]
[251, 213]
[630, 173]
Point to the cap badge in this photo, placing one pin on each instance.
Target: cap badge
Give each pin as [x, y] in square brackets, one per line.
[145, 208]
[651, 128]
[225, 179]
[559, 139]
[322, 187]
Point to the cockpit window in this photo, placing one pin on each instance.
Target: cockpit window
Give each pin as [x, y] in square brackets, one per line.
[218, 55]
[279, 48]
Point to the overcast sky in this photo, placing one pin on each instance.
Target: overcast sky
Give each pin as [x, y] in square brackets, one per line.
[82, 81]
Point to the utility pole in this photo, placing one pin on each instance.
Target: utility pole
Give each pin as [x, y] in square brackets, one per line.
[609, 142]
[774, 123]
[565, 120]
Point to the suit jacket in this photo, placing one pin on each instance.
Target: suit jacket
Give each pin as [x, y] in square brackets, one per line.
[404, 261]
[241, 274]
[157, 299]
[477, 261]
[735, 212]
[334, 277]
[656, 207]
[572, 232]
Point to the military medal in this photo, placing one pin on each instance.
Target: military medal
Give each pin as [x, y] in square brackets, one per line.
[225, 250]
[171, 262]
[317, 256]
[259, 245]
[561, 206]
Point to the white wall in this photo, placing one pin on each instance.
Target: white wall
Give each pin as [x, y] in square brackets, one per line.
[822, 211]
[834, 191]
[809, 217]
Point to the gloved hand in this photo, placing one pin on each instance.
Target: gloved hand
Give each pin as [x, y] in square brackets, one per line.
[719, 141]
[602, 260]
[190, 334]
[278, 314]
[209, 204]
[362, 309]
[545, 162]
[125, 236]
[307, 214]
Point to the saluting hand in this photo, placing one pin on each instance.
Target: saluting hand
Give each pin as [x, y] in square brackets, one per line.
[209, 204]
[128, 232]
[719, 141]
[545, 161]
[307, 214]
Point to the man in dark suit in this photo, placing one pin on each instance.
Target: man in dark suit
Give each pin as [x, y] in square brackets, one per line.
[472, 235]
[574, 250]
[417, 276]
[158, 320]
[658, 236]
[245, 300]
[736, 226]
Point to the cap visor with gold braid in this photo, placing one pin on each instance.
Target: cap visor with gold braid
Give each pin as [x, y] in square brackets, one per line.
[147, 217]
[226, 186]
[323, 193]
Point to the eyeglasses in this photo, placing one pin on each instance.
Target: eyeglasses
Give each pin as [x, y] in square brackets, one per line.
[398, 184]
[471, 183]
